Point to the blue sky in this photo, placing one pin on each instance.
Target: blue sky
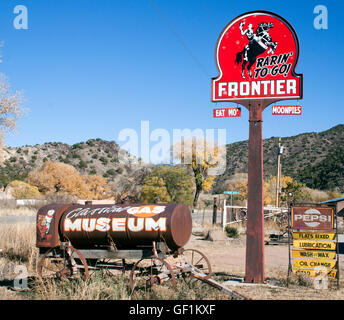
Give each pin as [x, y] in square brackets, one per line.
[90, 69]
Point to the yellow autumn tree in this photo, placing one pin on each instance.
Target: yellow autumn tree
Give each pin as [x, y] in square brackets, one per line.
[177, 182]
[62, 178]
[270, 188]
[97, 186]
[154, 190]
[11, 107]
[23, 190]
[203, 157]
[238, 182]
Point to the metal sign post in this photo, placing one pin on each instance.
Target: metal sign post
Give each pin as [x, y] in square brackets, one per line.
[254, 267]
[230, 209]
[256, 55]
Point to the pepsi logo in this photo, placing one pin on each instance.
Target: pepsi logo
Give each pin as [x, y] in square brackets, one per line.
[312, 218]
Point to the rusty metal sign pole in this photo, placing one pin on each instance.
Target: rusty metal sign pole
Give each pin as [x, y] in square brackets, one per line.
[255, 264]
[264, 88]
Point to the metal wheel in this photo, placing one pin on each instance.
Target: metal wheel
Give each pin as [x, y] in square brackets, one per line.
[149, 272]
[240, 215]
[65, 262]
[196, 262]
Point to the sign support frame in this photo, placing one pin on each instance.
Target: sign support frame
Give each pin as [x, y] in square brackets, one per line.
[255, 264]
[255, 256]
[290, 237]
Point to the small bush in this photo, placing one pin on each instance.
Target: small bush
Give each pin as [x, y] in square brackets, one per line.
[231, 232]
[90, 142]
[103, 160]
[23, 190]
[111, 172]
[119, 170]
[77, 146]
[82, 164]
[302, 280]
[60, 198]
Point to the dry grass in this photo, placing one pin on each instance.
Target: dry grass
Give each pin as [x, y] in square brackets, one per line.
[97, 288]
[105, 287]
[24, 211]
[18, 244]
[317, 195]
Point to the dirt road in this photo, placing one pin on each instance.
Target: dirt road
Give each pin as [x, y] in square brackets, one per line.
[229, 256]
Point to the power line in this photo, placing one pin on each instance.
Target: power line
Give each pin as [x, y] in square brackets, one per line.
[179, 38]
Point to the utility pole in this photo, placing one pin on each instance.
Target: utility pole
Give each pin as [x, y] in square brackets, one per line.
[278, 178]
[214, 211]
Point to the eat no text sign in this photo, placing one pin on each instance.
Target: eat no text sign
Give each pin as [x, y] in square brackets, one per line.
[227, 112]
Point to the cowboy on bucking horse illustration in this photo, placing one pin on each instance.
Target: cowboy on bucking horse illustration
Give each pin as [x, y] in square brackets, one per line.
[259, 41]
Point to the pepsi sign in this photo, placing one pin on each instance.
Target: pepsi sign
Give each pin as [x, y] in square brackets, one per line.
[314, 218]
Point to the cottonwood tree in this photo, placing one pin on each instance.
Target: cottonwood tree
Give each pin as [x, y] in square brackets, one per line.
[169, 183]
[238, 182]
[295, 192]
[201, 156]
[270, 188]
[11, 107]
[62, 178]
[154, 190]
[97, 186]
[23, 190]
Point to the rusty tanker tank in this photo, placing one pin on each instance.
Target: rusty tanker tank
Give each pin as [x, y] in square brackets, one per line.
[122, 225]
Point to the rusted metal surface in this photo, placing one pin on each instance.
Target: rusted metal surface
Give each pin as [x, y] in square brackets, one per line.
[60, 262]
[83, 235]
[197, 261]
[122, 225]
[235, 295]
[47, 225]
[255, 267]
[146, 274]
[312, 217]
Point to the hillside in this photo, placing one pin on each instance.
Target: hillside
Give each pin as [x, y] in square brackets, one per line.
[124, 172]
[316, 159]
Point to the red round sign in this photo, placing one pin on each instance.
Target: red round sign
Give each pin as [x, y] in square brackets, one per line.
[256, 55]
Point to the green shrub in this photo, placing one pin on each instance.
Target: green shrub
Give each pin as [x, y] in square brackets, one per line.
[119, 170]
[77, 146]
[82, 164]
[103, 160]
[111, 172]
[231, 232]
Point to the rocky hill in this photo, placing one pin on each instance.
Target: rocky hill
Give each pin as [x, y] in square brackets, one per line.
[95, 156]
[316, 159]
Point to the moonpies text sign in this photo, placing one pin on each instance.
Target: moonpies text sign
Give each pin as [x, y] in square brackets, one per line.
[256, 55]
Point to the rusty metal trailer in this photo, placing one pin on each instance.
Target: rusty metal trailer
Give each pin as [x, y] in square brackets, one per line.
[146, 239]
[148, 266]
